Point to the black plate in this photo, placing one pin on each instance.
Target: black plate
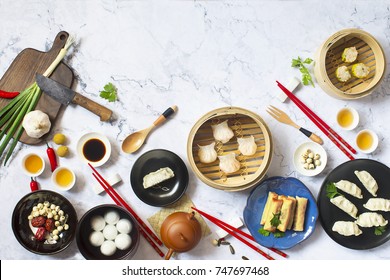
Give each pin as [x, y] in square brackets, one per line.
[329, 213]
[22, 230]
[84, 230]
[166, 192]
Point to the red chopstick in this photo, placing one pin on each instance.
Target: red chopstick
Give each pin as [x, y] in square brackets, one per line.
[325, 128]
[119, 201]
[235, 231]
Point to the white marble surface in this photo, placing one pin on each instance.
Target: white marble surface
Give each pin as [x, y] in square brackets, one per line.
[199, 55]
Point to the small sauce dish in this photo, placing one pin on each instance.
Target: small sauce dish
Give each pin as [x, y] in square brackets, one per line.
[94, 148]
[367, 141]
[347, 118]
[33, 165]
[63, 178]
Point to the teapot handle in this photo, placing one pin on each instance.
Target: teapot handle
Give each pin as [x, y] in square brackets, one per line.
[169, 254]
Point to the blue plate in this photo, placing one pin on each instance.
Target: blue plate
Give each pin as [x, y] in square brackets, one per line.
[256, 202]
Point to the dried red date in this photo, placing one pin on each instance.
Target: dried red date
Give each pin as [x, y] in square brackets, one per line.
[40, 234]
[38, 221]
[49, 225]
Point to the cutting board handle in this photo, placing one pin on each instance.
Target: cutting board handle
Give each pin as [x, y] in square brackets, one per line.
[59, 41]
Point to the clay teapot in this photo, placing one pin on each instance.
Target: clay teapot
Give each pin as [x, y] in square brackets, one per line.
[180, 232]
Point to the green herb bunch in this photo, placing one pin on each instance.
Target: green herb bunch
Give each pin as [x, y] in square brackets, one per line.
[306, 77]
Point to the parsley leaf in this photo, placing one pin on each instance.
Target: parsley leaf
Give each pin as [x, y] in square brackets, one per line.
[264, 232]
[275, 221]
[109, 92]
[331, 190]
[380, 230]
[306, 77]
[278, 234]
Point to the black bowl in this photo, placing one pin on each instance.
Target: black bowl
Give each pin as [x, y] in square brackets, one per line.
[84, 230]
[21, 225]
[167, 192]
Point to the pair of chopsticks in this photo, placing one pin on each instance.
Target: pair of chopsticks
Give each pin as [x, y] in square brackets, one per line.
[326, 129]
[235, 232]
[144, 229]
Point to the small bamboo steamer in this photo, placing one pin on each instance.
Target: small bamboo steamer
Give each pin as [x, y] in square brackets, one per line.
[328, 58]
[243, 123]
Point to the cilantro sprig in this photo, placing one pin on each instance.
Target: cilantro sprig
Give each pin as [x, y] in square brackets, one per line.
[275, 221]
[109, 92]
[331, 190]
[379, 230]
[306, 77]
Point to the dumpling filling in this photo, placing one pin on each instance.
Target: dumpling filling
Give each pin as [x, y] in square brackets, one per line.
[342, 74]
[349, 55]
[360, 70]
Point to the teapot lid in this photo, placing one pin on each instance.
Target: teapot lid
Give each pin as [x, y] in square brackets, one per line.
[181, 231]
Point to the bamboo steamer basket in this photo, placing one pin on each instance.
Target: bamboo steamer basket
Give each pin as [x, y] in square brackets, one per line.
[243, 123]
[328, 58]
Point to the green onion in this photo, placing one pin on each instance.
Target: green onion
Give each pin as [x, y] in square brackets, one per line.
[11, 116]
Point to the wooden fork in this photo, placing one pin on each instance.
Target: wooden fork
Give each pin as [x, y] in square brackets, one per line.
[282, 117]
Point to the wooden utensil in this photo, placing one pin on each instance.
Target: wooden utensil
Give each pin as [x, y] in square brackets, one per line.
[135, 140]
[282, 117]
[21, 73]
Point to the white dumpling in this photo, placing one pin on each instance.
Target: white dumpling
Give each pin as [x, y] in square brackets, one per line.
[345, 205]
[350, 188]
[207, 153]
[108, 248]
[222, 132]
[371, 219]
[123, 241]
[98, 223]
[378, 204]
[247, 145]
[96, 238]
[228, 163]
[124, 226]
[110, 232]
[368, 181]
[111, 217]
[346, 228]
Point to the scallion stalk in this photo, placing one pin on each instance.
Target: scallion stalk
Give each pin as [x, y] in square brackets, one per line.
[13, 113]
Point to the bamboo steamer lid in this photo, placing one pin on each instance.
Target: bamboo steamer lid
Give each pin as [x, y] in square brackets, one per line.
[243, 123]
[328, 58]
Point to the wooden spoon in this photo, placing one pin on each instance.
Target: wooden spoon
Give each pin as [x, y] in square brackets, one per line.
[135, 140]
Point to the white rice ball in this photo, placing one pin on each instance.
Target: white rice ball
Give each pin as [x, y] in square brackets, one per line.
[110, 232]
[98, 223]
[123, 241]
[96, 238]
[124, 226]
[108, 248]
[111, 217]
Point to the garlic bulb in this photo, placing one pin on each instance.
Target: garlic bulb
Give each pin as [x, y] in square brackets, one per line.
[247, 145]
[207, 153]
[36, 124]
[228, 163]
[222, 132]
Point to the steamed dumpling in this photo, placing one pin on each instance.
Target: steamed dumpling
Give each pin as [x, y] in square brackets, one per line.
[228, 163]
[368, 181]
[378, 204]
[371, 219]
[350, 188]
[247, 145]
[207, 153]
[346, 228]
[222, 132]
[345, 205]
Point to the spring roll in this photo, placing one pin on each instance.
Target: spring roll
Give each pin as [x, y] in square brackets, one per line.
[275, 207]
[271, 195]
[294, 204]
[286, 215]
[300, 211]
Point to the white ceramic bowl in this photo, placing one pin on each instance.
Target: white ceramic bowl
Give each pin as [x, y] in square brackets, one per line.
[374, 141]
[355, 118]
[57, 183]
[28, 172]
[86, 138]
[314, 148]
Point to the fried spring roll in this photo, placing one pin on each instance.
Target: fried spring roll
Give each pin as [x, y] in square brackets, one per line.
[300, 211]
[286, 214]
[275, 207]
[271, 195]
[294, 204]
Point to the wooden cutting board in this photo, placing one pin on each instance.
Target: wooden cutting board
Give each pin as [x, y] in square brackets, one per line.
[21, 74]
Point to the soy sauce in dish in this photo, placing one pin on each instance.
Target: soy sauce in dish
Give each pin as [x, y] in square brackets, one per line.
[94, 150]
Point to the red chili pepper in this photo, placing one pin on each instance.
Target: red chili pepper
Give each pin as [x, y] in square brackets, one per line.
[33, 185]
[52, 157]
[8, 94]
